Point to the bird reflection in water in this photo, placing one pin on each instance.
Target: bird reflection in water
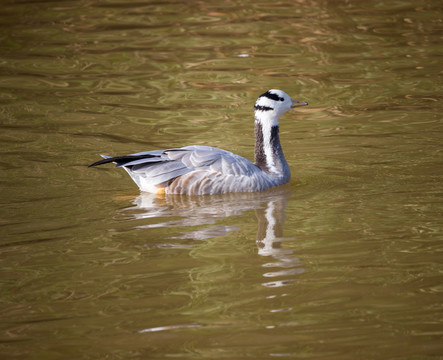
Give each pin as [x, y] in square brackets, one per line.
[270, 238]
[175, 211]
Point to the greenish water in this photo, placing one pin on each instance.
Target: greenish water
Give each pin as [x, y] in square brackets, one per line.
[343, 263]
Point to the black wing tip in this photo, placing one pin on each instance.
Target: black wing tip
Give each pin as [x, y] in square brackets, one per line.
[121, 160]
[101, 162]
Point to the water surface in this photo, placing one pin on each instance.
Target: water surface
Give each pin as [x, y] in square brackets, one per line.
[342, 263]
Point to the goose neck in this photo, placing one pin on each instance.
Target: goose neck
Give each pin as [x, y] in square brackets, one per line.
[268, 152]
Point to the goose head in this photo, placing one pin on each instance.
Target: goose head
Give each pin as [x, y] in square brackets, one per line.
[272, 104]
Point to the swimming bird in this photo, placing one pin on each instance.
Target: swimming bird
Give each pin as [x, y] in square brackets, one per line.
[200, 170]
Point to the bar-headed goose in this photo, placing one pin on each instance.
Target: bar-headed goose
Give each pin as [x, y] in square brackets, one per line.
[199, 170]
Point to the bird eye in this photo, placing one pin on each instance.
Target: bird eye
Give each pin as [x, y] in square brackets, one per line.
[281, 99]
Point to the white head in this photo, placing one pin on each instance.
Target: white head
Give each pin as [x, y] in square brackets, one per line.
[273, 104]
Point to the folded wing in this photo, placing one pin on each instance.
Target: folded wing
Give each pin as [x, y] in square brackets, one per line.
[159, 168]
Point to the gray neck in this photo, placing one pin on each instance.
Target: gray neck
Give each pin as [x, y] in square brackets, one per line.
[268, 152]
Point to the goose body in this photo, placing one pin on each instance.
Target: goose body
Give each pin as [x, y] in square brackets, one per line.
[200, 170]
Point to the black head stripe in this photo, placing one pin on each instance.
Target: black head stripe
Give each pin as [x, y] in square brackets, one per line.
[271, 96]
[262, 108]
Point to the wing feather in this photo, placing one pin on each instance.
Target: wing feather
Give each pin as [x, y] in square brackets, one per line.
[194, 169]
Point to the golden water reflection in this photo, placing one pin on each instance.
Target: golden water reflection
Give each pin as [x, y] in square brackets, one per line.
[203, 214]
[361, 246]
